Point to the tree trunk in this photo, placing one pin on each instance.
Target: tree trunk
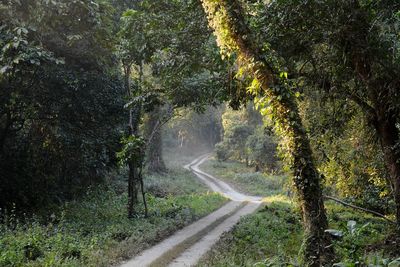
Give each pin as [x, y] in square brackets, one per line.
[155, 162]
[307, 183]
[389, 138]
[381, 113]
[133, 171]
[226, 17]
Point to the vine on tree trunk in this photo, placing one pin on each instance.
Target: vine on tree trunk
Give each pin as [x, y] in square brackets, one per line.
[279, 101]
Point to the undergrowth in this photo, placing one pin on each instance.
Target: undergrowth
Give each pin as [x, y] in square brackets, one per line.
[244, 178]
[273, 235]
[95, 230]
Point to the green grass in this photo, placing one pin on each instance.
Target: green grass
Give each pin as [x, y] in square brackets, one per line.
[94, 231]
[176, 182]
[273, 235]
[244, 178]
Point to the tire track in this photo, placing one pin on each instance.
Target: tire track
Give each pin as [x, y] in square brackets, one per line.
[188, 245]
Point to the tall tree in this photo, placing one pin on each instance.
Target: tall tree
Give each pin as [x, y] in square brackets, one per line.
[233, 35]
[349, 51]
[134, 51]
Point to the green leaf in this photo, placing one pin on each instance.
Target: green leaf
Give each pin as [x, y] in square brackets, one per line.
[283, 74]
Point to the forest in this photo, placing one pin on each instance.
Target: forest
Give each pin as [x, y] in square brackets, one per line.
[200, 133]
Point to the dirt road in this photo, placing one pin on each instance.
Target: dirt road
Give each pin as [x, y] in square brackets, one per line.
[188, 245]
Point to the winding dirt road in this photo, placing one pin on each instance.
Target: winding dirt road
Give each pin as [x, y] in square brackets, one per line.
[188, 245]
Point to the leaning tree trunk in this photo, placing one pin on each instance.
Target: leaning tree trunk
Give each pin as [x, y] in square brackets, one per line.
[153, 133]
[226, 18]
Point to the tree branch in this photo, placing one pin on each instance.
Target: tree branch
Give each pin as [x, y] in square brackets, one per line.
[359, 208]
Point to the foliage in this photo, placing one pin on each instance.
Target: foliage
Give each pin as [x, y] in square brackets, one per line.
[94, 231]
[185, 69]
[132, 150]
[245, 179]
[245, 139]
[350, 160]
[60, 100]
[341, 55]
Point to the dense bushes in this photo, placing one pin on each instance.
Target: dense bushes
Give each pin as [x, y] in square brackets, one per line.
[246, 139]
[94, 231]
[60, 101]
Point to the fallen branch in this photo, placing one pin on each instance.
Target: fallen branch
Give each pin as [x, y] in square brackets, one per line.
[359, 208]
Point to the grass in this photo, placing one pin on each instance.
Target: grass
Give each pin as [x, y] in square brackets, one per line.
[364, 242]
[176, 182]
[273, 235]
[95, 231]
[273, 232]
[244, 178]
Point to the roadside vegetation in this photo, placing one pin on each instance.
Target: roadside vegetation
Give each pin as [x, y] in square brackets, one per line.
[94, 230]
[273, 235]
[244, 179]
[298, 99]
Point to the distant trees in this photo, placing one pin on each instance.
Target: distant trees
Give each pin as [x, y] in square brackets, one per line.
[190, 129]
[246, 139]
[168, 60]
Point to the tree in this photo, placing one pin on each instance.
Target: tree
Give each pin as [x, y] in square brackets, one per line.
[233, 35]
[347, 50]
[60, 100]
[135, 50]
[155, 162]
[169, 71]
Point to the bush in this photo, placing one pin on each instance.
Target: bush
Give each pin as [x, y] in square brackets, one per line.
[221, 151]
